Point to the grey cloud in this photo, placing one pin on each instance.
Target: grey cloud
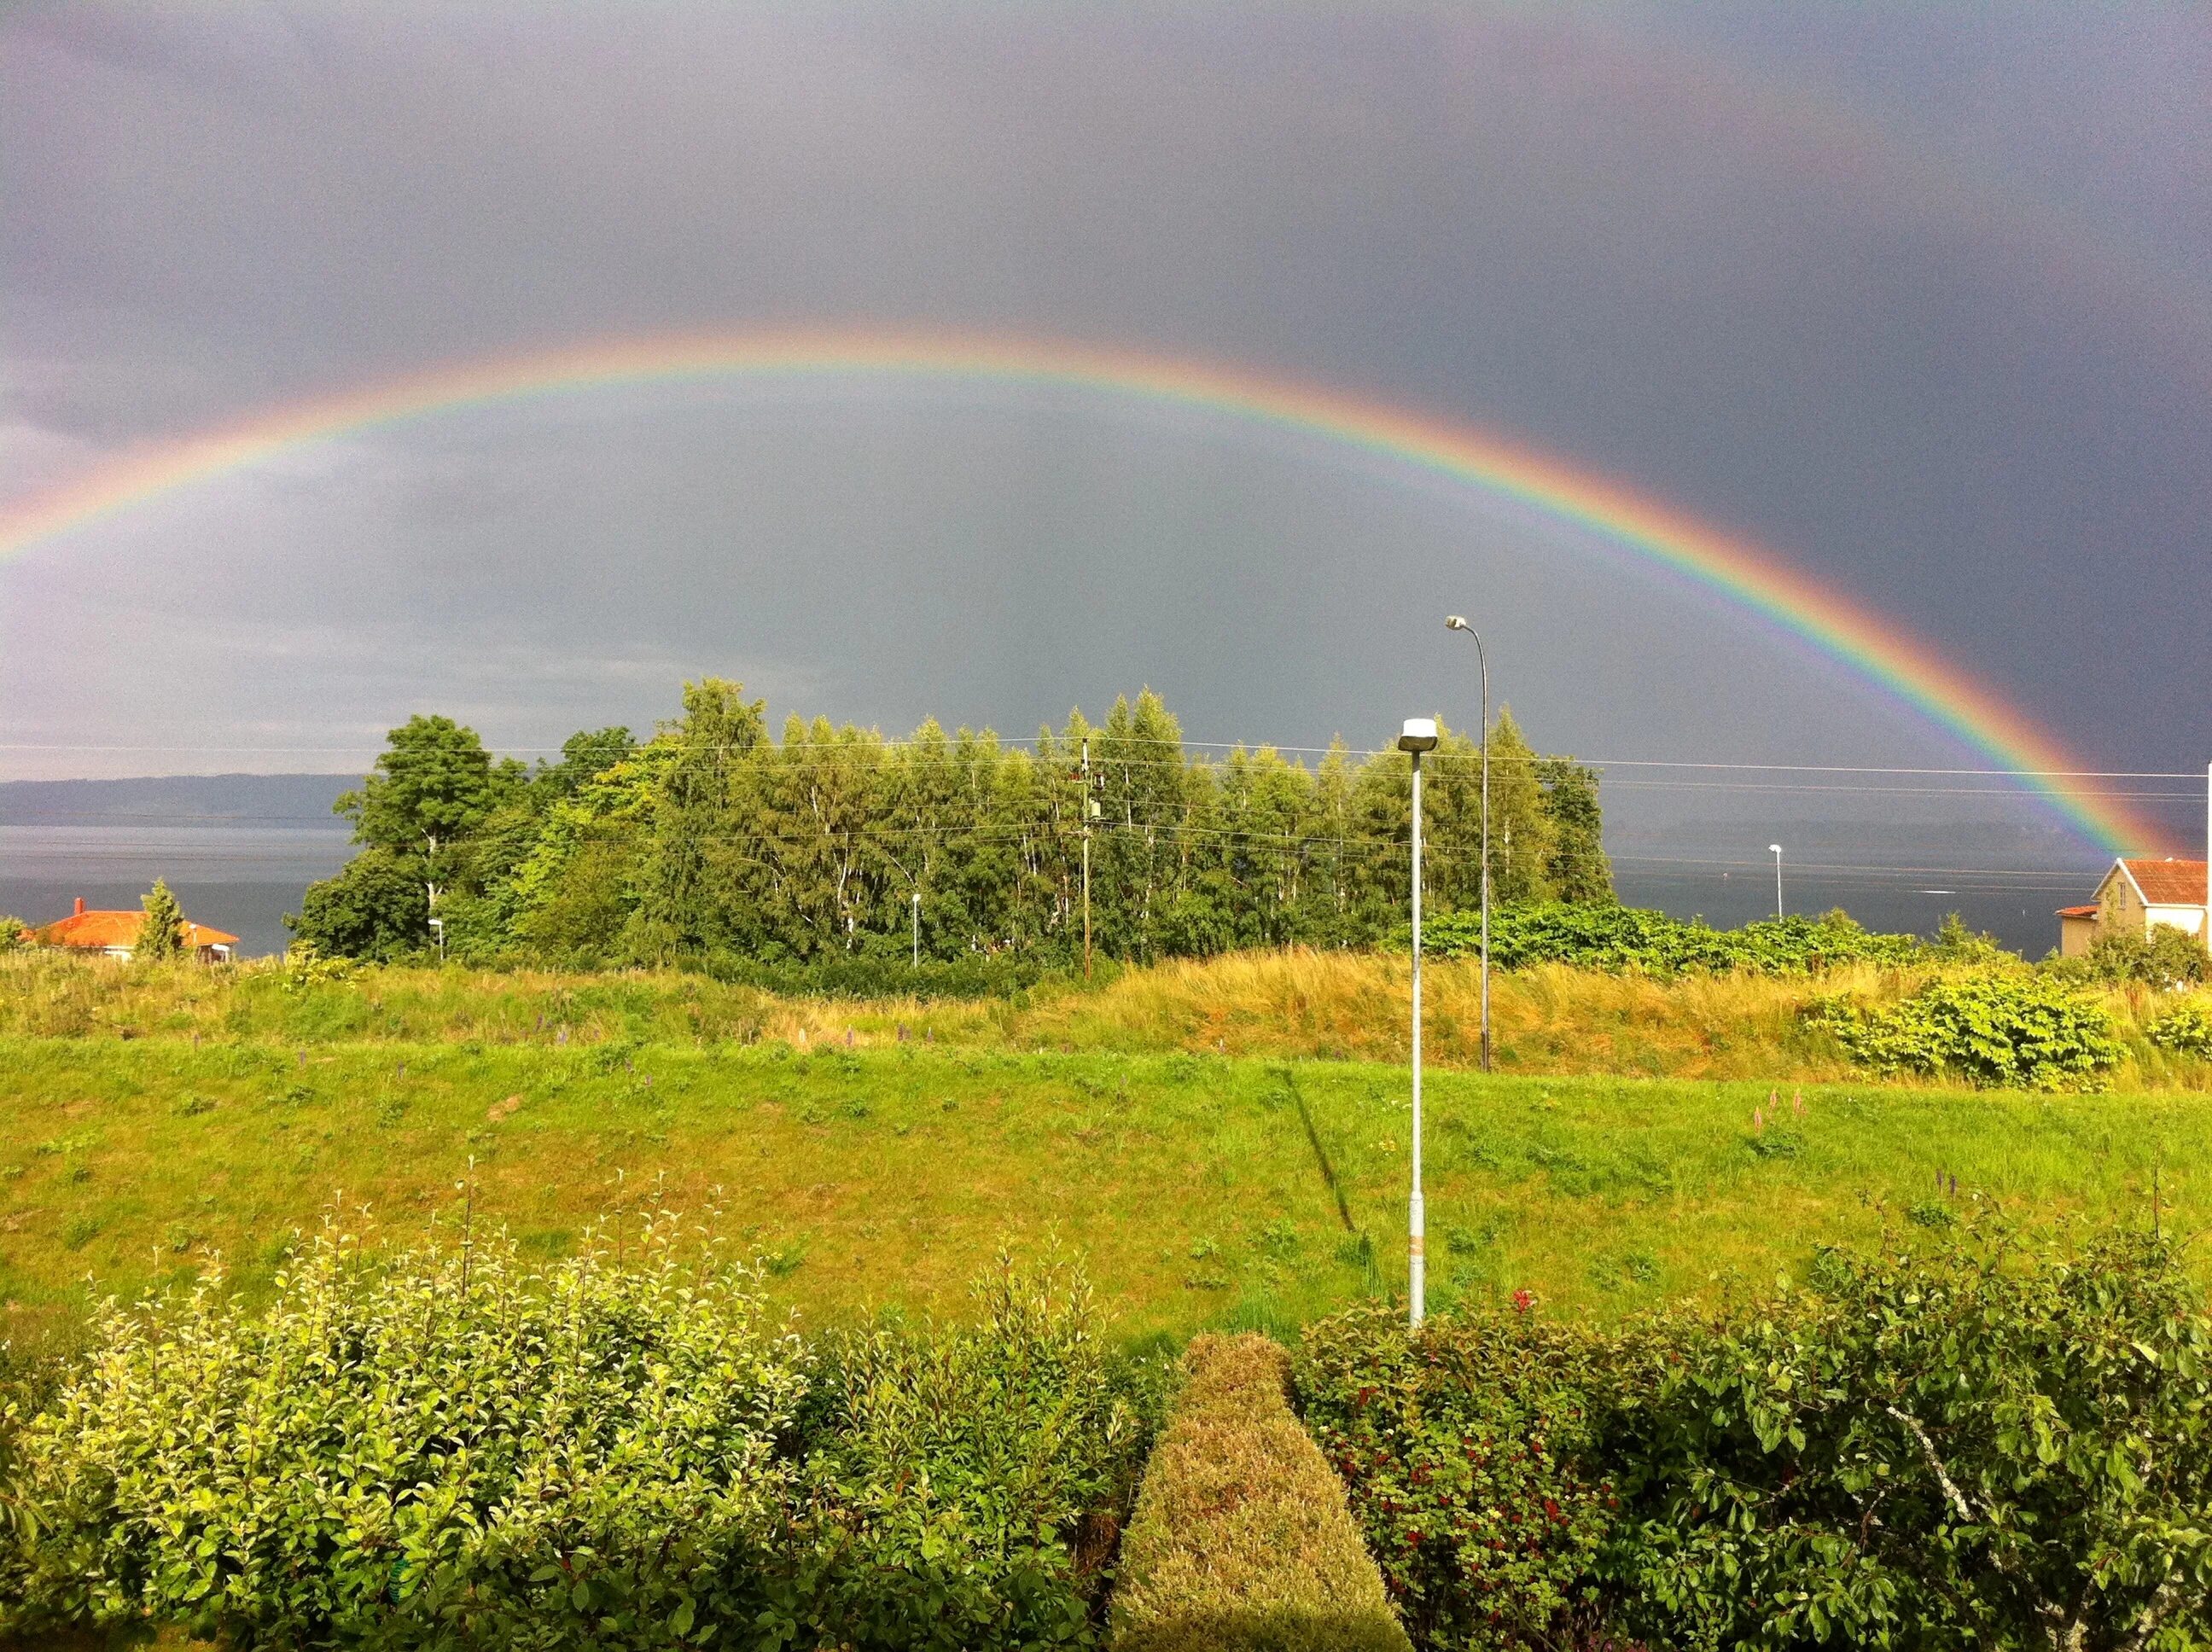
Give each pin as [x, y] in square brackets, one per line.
[1600, 231]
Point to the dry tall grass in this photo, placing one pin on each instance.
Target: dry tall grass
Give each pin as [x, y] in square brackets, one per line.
[1553, 1019]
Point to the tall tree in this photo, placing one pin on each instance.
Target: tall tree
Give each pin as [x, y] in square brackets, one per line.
[161, 931]
[435, 784]
[697, 789]
[584, 756]
[1523, 838]
[1578, 869]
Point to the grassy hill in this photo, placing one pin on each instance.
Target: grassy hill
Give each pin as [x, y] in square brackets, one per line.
[1220, 1141]
[1203, 1191]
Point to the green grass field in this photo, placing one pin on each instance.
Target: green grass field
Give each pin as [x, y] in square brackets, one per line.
[1203, 1190]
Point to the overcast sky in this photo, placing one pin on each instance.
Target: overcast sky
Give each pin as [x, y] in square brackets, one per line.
[1914, 296]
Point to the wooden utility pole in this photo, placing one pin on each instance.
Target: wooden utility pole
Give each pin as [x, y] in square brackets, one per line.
[1086, 857]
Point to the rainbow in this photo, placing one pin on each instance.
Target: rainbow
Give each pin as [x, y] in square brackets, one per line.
[1419, 442]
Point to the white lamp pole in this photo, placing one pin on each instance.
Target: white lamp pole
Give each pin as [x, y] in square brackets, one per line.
[1775, 849]
[917, 926]
[1455, 623]
[1419, 736]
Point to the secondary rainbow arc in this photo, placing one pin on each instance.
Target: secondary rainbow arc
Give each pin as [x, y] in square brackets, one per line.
[1875, 645]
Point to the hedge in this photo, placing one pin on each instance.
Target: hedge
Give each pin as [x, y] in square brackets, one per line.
[1617, 939]
[1470, 1453]
[1989, 1437]
[1242, 1540]
[455, 1449]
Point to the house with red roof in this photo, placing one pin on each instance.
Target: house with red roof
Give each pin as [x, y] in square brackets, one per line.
[2134, 895]
[115, 935]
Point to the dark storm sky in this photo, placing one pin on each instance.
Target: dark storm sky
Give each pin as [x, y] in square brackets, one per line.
[1916, 297]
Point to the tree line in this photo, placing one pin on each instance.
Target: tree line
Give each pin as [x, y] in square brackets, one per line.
[712, 838]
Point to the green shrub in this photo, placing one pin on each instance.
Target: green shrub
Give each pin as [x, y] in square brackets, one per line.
[2166, 958]
[964, 1484]
[1618, 938]
[2015, 1028]
[1242, 1540]
[1467, 1450]
[452, 1450]
[446, 1451]
[2185, 1029]
[1990, 1439]
[1996, 1441]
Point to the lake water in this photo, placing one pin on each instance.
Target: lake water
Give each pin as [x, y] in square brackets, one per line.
[242, 879]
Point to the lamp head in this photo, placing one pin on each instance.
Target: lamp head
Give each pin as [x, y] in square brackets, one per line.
[1774, 848]
[1420, 735]
[1456, 622]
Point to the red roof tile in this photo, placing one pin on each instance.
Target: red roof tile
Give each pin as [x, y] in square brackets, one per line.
[2078, 911]
[100, 930]
[2169, 882]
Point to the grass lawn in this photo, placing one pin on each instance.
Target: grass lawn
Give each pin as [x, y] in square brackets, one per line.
[1204, 1190]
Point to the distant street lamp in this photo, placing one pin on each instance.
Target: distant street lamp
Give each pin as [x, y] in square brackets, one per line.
[914, 905]
[1455, 623]
[1419, 736]
[438, 925]
[1775, 849]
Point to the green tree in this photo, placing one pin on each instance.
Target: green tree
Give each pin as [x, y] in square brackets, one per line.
[584, 756]
[1522, 837]
[14, 933]
[686, 886]
[435, 784]
[375, 907]
[161, 931]
[1577, 870]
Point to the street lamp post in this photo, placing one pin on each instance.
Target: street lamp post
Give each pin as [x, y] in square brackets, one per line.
[1775, 849]
[438, 925]
[1419, 736]
[917, 926]
[1455, 623]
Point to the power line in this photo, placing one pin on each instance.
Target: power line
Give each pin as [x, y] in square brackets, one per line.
[950, 744]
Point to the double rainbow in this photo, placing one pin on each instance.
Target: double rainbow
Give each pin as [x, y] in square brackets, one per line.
[1419, 442]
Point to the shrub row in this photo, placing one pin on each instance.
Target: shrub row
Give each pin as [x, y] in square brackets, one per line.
[1992, 1439]
[456, 1450]
[1620, 938]
[1241, 1539]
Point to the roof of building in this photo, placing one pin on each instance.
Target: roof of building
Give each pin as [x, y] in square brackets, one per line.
[2168, 882]
[106, 929]
[2089, 911]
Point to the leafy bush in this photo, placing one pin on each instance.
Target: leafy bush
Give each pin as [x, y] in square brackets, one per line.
[1996, 1442]
[1618, 938]
[1469, 1453]
[1995, 1437]
[452, 1450]
[1242, 1539]
[965, 1484]
[447, 1451]
[2185, 1029]
[2013, 1029]
[2166, 958]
